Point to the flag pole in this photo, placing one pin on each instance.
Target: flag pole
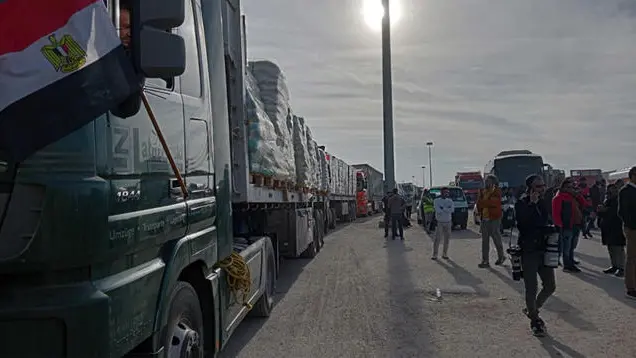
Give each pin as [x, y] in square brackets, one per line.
[162, 140]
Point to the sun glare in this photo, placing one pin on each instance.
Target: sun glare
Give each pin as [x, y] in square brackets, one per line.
[373, 12]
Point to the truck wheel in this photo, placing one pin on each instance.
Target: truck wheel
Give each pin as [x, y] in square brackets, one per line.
[464, 226]
[264, 305]
[321, 228]
[311, 251]
[184, 332]
[332, 222]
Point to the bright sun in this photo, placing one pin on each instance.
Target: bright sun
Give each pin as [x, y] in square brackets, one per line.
[373, 12]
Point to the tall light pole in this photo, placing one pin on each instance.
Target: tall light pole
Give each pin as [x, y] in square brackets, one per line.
[387, 99]
[430, 163]
[424, 175]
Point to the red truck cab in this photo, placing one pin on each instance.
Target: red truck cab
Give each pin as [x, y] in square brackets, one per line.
[470, 182]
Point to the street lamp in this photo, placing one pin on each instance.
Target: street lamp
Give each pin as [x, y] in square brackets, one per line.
[387, 99]
[423, 175]
[430, 163]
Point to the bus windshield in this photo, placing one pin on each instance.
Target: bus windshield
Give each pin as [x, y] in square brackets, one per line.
[512, 171]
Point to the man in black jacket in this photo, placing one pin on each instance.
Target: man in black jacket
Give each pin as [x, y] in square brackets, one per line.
[627, 213]
[532, 221]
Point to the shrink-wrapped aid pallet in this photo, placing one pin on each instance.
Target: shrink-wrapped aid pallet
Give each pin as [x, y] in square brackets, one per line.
[303, 159]
[312, 147]
[324, 170]
[265, 156]
[275, 98]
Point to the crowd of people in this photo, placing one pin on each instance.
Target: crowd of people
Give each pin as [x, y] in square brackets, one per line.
[570, 209]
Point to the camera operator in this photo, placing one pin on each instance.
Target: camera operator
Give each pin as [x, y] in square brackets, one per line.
[532, 222]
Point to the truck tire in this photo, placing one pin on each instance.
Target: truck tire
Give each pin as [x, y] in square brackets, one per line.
[332, 221]
[310, 252]
[464, 226]
[184, 331]
[264, 305]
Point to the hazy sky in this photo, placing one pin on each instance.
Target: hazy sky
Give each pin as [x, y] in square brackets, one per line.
[476, 77]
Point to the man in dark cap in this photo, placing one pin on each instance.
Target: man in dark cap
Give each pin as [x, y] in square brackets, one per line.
[532, 222]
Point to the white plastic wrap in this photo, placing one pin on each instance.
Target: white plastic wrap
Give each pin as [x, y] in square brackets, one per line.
[314, 169]
[266, 157]
[274, 96]
[305, 167]
[324, 170]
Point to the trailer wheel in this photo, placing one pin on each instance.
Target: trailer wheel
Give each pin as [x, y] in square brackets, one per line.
[332, 222]
[184, 332]
[264, 305]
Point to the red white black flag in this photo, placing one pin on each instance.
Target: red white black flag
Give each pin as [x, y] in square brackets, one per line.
[59, 70]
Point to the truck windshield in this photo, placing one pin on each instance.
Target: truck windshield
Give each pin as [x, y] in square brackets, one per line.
[455, 193]
[513, 170]
[471, 184]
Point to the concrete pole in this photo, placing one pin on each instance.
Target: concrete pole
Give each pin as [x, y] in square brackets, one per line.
[387, 100]
[430, 163]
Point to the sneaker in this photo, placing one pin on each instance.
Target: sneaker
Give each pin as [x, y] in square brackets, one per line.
[620, 273]
[445, 257]
[631, 295]
[538, 329]
[610, 270]
[572, 269]
[434, 258]
[500, 261]
[577, 262]
[539, 320]
[483, 265]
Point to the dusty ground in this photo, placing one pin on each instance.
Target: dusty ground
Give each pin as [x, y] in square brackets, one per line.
[365, 297]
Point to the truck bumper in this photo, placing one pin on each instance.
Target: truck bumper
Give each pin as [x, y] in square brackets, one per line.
[460, 217]
[54, 321]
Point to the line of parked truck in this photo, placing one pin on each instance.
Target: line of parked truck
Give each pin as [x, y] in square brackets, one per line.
[116, 257]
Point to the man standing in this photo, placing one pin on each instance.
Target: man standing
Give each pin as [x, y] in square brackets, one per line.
[396, 206]
[597, 200]
[489, 207]
[567, 215]
[627, 213]
[444, 208]
[387, 213]
[428, 210]
[532, 222]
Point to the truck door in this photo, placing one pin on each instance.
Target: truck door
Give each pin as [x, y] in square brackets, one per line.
[198, 136]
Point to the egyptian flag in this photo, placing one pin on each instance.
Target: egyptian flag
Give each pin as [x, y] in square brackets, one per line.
[61, 66]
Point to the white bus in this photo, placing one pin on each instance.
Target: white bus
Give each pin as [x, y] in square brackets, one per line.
[621, 174]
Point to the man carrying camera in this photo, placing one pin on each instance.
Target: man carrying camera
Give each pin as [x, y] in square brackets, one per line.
[533, 223]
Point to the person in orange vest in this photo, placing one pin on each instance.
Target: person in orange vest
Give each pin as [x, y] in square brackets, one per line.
[489, 208]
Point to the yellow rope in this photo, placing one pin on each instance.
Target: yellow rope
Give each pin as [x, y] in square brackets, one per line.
[238, 277]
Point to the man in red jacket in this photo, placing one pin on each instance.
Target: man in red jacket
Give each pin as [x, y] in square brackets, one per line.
[567, 215]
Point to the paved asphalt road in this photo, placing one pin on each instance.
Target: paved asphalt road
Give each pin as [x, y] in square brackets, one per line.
[365, 297]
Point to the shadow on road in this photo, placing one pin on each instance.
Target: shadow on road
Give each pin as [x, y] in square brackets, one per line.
[564, 310]
[556, 349]
[409, 326]
[463, 277]
[601, 262]
[613, 286]
[289, 272]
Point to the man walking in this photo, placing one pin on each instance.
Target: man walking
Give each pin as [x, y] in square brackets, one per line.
[532, 222]
[396, 206]
[627, 213]
[489, 207]
[444, 208]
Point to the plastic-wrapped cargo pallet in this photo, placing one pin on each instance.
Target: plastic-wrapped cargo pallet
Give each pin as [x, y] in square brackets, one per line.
[312, 147]
[274, 95]
[324, 170]
[266, 157]
[305, 161]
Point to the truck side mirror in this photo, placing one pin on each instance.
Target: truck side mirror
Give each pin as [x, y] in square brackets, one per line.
[157, 53]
